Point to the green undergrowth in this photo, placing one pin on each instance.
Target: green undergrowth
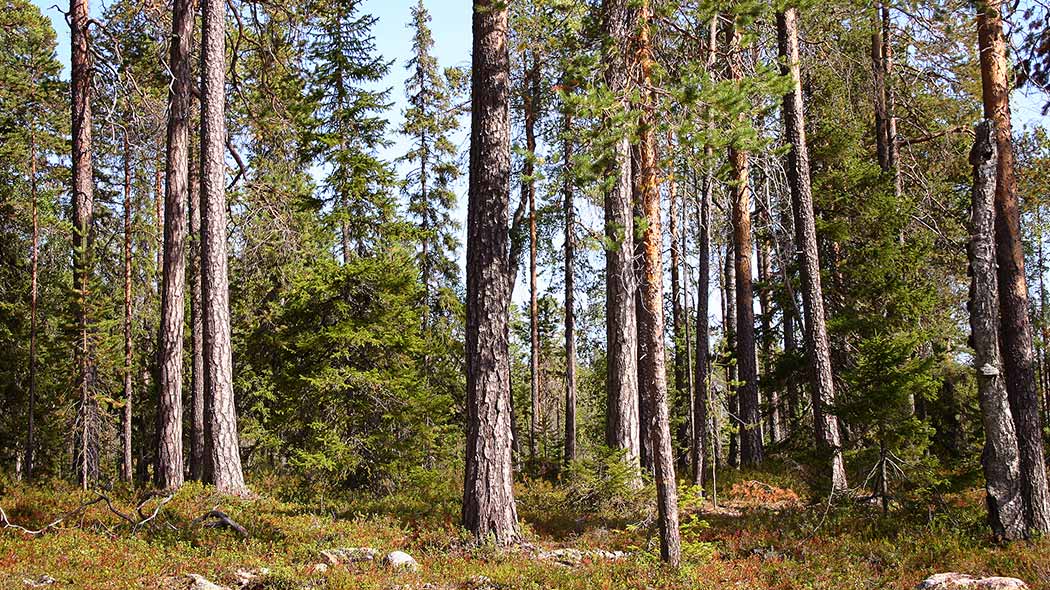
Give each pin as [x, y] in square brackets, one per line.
[768, 532]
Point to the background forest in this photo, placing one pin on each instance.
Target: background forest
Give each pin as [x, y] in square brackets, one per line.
[663, 355]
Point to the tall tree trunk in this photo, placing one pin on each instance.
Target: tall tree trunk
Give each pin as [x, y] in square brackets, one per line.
[645, 445]
[729, 328]
[765, 272]
[653, 380]
[221, 423]
[126, 464]
[83, 188]
[747, 363]
[1001, 458]
[30, 450]
[199, 455]
[488, 493]
[1016, 330]
[826, 425]
[622, 420]
[702, 403]
[170, 472]
[681, 390]
[570, 286]
[528, 186]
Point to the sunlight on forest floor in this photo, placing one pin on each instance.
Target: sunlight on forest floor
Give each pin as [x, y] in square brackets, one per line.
[761, 536]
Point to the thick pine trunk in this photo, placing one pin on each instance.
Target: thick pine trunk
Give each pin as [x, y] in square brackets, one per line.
[622, 420]
[488, 492]
[1015, 330]
[570, 286]
[221, 421]
[83, 188]
[747, 363]
[1001, 458]
[170, 473]
[826, 425]
[653, 380]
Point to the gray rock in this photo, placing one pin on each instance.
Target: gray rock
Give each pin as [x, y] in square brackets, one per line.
[39, 581]
[953, 580]
[399, 560]
[198, 582]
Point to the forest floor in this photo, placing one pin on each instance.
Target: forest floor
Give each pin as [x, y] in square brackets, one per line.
[763, 535]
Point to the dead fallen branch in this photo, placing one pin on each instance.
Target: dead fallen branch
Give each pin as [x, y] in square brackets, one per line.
[216, 518]
[7, 524]
[136, 525]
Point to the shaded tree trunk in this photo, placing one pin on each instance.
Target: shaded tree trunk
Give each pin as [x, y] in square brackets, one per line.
[747, 363]
[488, 494]
[653, 380]
[826, 425]
[528, 187]
[170, 473]
[221, 422]
[570, 286]
[1015, 329]
[126, 464]
[1001, 458]
[622, 420]
[198, 448]
[681, 388]
[729, 328]
[30, 450]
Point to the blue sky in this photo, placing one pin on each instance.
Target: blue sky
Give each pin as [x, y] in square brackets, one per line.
[451, 22]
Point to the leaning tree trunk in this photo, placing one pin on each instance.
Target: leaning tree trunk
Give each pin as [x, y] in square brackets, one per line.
[488, 492]
[570, 286]
[747, 363]
[1001, 458]
[83, 202]
[126, 464]
[221, 423]
[825, 424]
[169, 472]
[622, 421]
[1015, 329]
[653, 380]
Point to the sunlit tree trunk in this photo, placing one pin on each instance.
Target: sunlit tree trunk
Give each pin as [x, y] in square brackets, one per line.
[1001, 458]
[826, 425]
[221, 421]
[1015, 330]
[488, 494]
[622, 421]
[653, 380]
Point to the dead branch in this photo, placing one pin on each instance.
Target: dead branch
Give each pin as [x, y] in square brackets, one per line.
[216, 518]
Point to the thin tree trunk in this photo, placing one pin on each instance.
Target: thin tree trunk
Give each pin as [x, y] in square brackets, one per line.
[83, 201]
[645, 446]
[747, 363]
[488, 494]
[826, 425]
[1016, 330]
[221, 423]
[622, 420]
[681, 391]
[765, 272]
[126, 464]
[199, 455]
[653, 381]
[30, 449]
[170, 472]
[528, 186]
[570, 286]
[1001, 458]
[729, 327]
